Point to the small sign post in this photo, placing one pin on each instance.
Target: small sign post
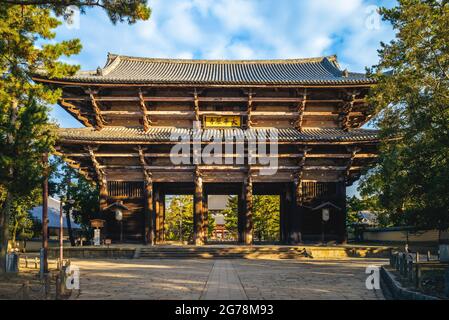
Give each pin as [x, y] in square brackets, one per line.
[97, 224]
[97, 237]
[325, 215]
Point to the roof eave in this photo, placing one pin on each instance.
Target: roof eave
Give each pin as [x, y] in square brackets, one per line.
[311, 84]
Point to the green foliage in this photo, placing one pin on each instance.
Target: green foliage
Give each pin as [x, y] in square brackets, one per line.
[179, 218]
[22, 224]
[265, 217]
[231, 216]
[68, 184]
[117, 10]
[412, 96]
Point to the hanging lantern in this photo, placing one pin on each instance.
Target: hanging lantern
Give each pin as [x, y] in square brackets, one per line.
[118, 214]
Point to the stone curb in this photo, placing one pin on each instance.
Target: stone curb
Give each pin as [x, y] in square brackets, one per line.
[398, 292]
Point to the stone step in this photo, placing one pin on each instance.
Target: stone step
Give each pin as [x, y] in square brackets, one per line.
[228, 253]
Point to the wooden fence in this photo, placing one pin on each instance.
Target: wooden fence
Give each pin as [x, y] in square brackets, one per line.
[416, 268]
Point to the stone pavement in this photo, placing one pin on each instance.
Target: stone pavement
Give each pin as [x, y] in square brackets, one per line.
[225, 279]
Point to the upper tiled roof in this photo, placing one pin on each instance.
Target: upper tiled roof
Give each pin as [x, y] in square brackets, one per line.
[163, 134]
[311, 71]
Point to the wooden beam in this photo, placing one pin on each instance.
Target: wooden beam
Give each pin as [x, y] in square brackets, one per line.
[223, 113]
[208, 99]
[228, 168]
[192, 114]
[233, 155]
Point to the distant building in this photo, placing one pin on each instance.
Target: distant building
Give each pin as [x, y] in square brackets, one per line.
[53, 219]
[216, 205]
[367, 218]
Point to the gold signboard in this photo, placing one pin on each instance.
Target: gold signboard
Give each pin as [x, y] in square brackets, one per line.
[97, 223]
[222, 121]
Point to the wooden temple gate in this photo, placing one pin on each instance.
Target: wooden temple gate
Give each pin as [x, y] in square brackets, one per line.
[136, 110]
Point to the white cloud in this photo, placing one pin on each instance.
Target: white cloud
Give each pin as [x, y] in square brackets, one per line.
[237, 29]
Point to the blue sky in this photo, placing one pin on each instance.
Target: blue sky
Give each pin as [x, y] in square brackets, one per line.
[235, 29]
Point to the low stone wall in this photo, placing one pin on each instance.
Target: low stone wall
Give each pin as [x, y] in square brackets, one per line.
[399, 235]
[352, 252]
[94, 253]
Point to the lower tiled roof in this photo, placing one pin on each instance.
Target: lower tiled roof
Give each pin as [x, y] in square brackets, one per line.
[165, 134]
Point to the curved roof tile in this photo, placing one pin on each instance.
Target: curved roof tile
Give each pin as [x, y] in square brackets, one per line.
[164, 134]
[313, 71]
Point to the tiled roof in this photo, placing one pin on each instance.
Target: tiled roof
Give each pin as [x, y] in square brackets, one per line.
[163, 134]
[313, 71]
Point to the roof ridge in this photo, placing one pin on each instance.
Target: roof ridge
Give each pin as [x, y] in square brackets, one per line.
[112, 57]
[111, 63]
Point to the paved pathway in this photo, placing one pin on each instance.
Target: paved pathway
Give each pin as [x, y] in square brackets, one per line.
[223, 283]
[225, 279]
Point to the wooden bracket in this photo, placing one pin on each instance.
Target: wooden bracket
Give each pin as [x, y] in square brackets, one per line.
[250, 107]
[196, 105]
[143, 107]
[75, 110]
[346, 109]
[299, 173]
[353, 151]
[101, 177]
[98, 117]
[301, 108]
[143, 162]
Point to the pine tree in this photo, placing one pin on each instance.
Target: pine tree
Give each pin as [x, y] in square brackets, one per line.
[25, 130]
[412, 98]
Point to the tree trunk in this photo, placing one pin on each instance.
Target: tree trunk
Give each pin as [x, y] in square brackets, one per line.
[6, 209]
[4, 234]
[67, 215]
[14, 232]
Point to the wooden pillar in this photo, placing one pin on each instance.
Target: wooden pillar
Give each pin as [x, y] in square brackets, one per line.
[149, 205]
[103, 197]
[148, 190]
[198, 218]
[294, 216]
[342, 232]
[205, 218]
[283, 219]
[248, 229]
[241, 217]
[159, 215]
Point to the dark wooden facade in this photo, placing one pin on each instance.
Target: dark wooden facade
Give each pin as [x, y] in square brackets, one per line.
[132, 106]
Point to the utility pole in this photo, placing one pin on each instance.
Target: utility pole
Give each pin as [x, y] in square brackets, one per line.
[61, 233]
[45, 214]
